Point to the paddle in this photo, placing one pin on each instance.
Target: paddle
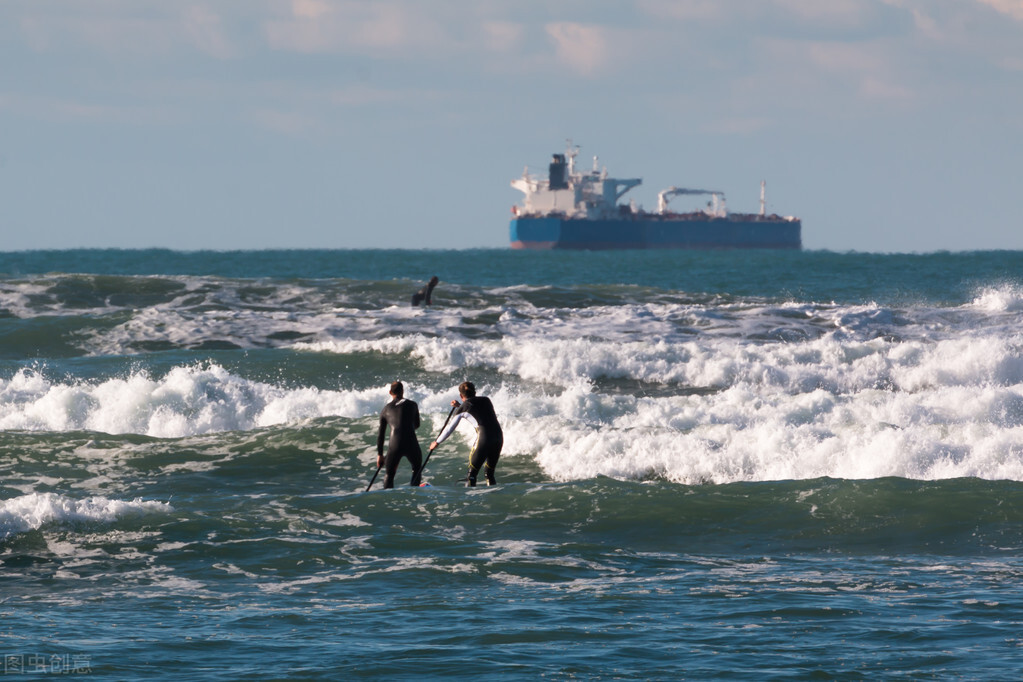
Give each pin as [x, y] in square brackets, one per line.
[374, 477]
[430, 453]
[427, 456]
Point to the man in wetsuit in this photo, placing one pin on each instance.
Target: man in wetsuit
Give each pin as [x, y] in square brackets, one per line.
[425, 292]
[479, 412]
[403, 417]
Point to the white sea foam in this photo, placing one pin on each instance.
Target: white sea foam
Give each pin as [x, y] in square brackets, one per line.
[32, 511]
[691, 393]
[743, 435]
[19, 298]
[1004, 298]
[187, 401]
[829, 406]
[831, 361]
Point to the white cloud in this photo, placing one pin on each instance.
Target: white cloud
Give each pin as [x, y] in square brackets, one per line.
[1012, 8]
[123, 28]
[683, 10]
[831, 74]
[502, 36]
[969, 32]
[581, 47]
[310, 9]
[205, 29]
[831, 12]
[927, 26]
[388, 28]
[346, 27]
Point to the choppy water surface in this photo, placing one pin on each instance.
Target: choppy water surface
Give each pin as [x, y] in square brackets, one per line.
[739, 465]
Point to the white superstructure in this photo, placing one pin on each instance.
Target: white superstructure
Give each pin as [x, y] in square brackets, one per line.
[716, 209]
[570, 193]
[593, 195]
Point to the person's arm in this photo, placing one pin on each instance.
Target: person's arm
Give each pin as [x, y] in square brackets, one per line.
[381, 434]
[449, 429]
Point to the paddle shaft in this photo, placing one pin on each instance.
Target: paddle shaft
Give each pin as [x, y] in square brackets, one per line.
[430, 453]
[427, 456]
[374, 477]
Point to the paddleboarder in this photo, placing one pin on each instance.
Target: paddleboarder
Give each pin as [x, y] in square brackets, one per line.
[402, 415]
[425, 293]
[479, 412]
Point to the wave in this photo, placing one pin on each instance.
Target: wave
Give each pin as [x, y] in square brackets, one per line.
[93, 315]
[1004, 298]
[187, 401]
[833, 362]
[623, 381]
[33, 511]
[708, 409]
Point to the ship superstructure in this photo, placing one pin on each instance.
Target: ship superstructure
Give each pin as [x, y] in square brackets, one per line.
[571, 193]
[581, 210]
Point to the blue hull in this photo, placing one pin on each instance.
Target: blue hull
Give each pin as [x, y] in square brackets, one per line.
[748, 232]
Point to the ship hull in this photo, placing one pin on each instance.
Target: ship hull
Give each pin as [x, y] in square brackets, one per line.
[744, 232]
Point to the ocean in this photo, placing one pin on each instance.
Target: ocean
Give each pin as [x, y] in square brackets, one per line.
[717, 465]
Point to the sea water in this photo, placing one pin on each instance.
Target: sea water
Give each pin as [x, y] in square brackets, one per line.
[731, 465]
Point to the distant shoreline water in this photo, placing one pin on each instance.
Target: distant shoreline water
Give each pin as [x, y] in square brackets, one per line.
[800, 275]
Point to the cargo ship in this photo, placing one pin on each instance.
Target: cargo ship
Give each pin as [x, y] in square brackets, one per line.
[581, 210]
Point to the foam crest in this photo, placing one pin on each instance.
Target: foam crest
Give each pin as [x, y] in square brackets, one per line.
[833, 361]
[199, 399]
[33, 511]
[563, 361]
[188, 329]
[1000, 299]
[19, 298]
[187, 401]
[743, 435]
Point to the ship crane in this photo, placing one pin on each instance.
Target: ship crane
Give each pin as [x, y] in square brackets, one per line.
[717, 208]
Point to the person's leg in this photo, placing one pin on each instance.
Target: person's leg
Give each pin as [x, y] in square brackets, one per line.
[416, 460]
[476, 460]
[391, 468]
[488, 453]
[491, 465]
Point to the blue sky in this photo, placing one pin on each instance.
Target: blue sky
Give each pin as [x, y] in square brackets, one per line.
[886, 125]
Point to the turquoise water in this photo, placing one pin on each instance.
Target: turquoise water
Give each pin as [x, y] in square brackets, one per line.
[734, 465]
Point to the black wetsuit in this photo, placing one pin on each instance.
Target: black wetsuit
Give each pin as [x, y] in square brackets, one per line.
[479, 412]
[424, 293]
[403, 417]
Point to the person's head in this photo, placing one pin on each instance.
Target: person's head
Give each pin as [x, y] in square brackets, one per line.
[434, 280]
[467, 390]
[397, 389]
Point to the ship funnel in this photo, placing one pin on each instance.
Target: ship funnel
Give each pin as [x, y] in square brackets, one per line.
[556, 173]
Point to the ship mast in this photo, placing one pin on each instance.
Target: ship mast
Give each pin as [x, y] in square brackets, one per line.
[571, 151]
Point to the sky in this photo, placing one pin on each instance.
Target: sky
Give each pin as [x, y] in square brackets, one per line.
[885, 125]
